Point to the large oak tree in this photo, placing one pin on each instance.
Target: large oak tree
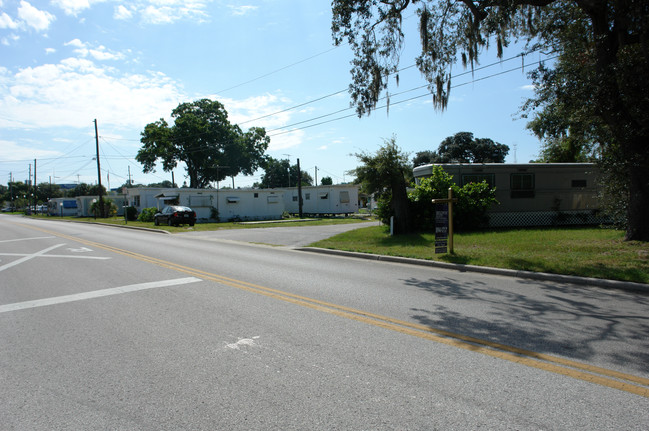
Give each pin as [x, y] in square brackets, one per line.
[612, 50]
[203, 138]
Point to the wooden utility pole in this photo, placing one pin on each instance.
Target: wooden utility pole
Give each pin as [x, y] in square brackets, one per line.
[101, 200]
[34, 187]
[299, 187]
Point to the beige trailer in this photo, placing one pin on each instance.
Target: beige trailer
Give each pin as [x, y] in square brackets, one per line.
[533, 194]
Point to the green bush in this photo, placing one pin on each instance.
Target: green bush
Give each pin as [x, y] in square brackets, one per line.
[147, 214]
[131, 213]
[470, 210]
[110, 209]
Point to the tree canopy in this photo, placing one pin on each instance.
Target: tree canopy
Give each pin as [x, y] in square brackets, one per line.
[603, 95]
[326, 181]
[280, 173]
[463, 148]
[203, 138]
[385, 175]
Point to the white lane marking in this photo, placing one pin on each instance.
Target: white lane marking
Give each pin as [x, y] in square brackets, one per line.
[28, 257]
[95, 294]
[57, 255]
[79, 250]
[26, 239]
[242, 342]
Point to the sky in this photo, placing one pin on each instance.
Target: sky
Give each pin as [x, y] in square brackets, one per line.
[271, 63]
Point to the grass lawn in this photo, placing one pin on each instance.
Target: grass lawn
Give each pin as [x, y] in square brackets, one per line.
[198, 227]
[586, 252]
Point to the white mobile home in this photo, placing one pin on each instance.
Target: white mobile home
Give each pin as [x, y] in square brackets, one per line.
[63, 207]
[322, 200]
[532, 194]
[229, 204]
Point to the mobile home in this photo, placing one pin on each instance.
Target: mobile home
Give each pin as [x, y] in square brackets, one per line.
[229, 204]
[532, 194]
[323, 200]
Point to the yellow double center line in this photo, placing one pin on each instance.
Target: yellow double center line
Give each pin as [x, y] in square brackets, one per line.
[577, 370]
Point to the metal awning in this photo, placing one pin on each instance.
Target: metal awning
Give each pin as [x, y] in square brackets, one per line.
[164, 197]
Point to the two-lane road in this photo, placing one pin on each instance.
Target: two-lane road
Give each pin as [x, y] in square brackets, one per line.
[107, 328]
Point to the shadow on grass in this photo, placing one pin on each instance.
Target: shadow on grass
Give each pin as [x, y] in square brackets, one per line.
[579, 323]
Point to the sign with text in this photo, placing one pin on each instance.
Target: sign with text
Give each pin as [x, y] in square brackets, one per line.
[441, 228]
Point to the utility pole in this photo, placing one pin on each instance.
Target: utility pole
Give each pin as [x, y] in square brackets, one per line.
[29, 187]
[289, 169]
[299, 187]
[101, 200]
[316, 177]
[173, 181]
[217, 185]
[34, 188]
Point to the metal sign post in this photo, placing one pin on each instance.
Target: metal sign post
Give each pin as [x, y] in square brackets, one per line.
[444, 223]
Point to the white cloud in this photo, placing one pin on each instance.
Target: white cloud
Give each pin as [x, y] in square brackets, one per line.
[11, 151]
[529, 87]
[39, 20]
[241, 10]
[98, 53]
[162, 15]
[7, 22]
[76, 90]
[11, 38]
[169, 11]
[72, 7]
[121, 12]
[256, 112]
[50, 50]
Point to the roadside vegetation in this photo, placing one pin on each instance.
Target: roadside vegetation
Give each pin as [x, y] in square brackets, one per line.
[585, 252]
[200, 227]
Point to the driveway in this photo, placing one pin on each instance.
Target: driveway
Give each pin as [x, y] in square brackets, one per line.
[294, 236]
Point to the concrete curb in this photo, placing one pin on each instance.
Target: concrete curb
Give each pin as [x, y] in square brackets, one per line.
[109, 225]
[540, 276]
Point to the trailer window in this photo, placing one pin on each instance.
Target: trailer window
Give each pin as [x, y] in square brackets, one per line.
[324, 195]
[307, 196]
[344, 197]
[522, 186]
[578, 183]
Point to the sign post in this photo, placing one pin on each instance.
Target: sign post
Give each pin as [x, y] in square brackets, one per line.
[444, 223]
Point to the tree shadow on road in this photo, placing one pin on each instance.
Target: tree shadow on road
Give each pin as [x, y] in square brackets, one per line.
[607, 327]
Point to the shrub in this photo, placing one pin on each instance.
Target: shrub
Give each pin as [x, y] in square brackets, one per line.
[147, 214]
[110, 209]
[214, 214]
[131, 213]
[470, 210]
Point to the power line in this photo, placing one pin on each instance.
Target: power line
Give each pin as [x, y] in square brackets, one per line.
[278, 70]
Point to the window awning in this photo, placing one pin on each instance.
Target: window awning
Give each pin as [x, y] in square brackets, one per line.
[164, 197]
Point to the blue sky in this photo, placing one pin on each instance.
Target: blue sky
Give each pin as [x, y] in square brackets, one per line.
[129, 63]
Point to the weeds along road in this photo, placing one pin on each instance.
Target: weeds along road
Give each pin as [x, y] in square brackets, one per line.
[107, 328]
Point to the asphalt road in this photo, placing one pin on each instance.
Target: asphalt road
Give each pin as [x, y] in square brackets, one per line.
[293, 236]
[105, 328]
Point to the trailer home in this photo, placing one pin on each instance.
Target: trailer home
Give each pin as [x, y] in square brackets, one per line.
[229, 204]
[533, 194]
[323, 200]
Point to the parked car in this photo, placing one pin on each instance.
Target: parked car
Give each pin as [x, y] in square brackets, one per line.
[175, 215]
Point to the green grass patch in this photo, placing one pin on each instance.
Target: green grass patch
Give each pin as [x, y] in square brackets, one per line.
[199, 227]
[586, 252]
